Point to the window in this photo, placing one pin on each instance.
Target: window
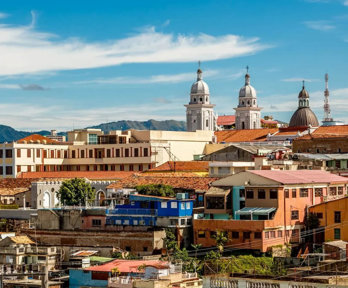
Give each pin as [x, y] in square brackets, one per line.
[242, 193]
[173, 222]
[246, 235]
[146, 152]
[8, 170]
[273, 194]
[320, 215]
[1, 170]
[303, 192]
[257, 235]
[212, 234]
[121, 167]
[333, 191]
[250, 194]
[188, 205]
[136, 152]
[135, 222]
[82, 153]
[58, 154]
[90, 153]
[340, 190]
[337, 217]
[126, 152]
[164, 205]
[118, 222]
[201, 234]
[73, 154]
[108, 153]
[66, 154]
[207, 122]
[266, 235]
[1, 153]
[128, 248]
[18, 153]
[294, 215]
[235, 235]
[280, 233]
[182, 221]
[131, 167]
[286, 192]
[272, 234]
[118, 153]
[96, 222]
[182, 206]
[318, 192]
[174, 205]
[261, 194]
[337, 233]
[145, 249]
[92, 139]
[8, 153]
[52, 153]
[125, 222]
[294, 193]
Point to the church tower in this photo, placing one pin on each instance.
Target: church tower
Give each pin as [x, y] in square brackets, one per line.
[248, 115]
[199, 112]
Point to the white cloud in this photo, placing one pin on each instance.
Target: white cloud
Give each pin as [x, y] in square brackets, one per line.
[299, 79]
[345, 3]
[320, 25]
[25, 50]
[169, 78]
[3, 15]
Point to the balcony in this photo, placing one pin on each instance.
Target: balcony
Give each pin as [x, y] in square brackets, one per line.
[128, 211]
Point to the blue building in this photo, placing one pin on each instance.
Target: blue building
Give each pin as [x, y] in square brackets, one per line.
[146, 210]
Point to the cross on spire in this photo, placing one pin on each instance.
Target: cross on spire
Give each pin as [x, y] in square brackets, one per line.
[303, 81]
[199, 64]
[247, 69]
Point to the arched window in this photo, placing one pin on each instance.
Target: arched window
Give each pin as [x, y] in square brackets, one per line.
[243, 125]
[46, 200]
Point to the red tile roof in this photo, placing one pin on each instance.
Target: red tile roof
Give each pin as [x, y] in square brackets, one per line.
[13, 186]
[36, 138]
[176, 181]
[269, 121]
[182, 166]
[251, 135]
[226, 120]
[328, 132]
[125, 266]
[300, 176]
[97, 175]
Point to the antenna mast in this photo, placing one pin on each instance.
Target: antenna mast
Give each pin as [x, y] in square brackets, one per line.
[327, 111]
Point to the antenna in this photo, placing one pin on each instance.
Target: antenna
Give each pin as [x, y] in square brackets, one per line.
[327, 111]
[199, 64]
[303, 83]
[247, 69]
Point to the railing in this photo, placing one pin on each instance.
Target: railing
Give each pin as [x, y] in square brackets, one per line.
[120, 280]
[125, 211]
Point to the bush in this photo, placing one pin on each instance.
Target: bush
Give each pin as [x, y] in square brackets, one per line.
[156, 190]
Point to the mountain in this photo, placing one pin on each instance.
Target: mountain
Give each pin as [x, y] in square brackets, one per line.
[167, 125]
[8, 134]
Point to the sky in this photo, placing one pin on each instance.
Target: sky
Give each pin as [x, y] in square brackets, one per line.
[73, 64]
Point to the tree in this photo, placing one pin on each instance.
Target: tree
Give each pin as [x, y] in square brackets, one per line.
[221, 239]
[75, 192]
[156, 190]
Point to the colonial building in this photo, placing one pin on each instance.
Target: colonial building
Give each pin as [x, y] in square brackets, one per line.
[200, 112]
[248, 115]
[303, 116]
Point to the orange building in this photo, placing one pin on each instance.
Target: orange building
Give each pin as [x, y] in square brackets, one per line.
[268, 208]
[333, 216]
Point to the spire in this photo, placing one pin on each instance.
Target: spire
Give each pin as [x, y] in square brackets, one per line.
[303, 84]
[247, 76]
[199, 72]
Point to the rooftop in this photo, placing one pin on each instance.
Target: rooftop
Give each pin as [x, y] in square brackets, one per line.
[21, 240]
[36, 138]
[300, 176]
[185, 166]
[248, 135]
[328, 132]
[226, 120]
[13, 186]
[124, 266]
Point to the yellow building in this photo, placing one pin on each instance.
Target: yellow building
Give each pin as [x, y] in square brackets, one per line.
[333, 216]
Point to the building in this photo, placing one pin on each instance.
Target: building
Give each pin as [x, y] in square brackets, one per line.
[333, 216]
[268, 207]
[324, 140]
[15, 192]
[303, 116]
[226, 122]
[91, 150]
[199, 168]
[54, 136]
[248, 115]
[19, 250]
[199, 111]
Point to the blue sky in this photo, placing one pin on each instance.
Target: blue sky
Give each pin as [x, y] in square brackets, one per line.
[71, 64]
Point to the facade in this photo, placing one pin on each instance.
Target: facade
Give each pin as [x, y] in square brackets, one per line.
[324, 140]
[333, 216]
[200, 112]
[91, 150]
[268, 207]
[248, 115]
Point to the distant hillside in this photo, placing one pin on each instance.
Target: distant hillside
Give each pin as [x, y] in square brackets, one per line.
[168, 125]
[8, 134]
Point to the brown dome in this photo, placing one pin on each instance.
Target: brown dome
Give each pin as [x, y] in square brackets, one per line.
[304, 117]
[303, 93]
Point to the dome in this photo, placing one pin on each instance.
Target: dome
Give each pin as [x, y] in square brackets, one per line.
[199, 87]
[303, 93]
[304, 117]
[247, 90]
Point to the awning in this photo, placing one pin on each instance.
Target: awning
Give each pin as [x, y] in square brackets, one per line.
[256, 211]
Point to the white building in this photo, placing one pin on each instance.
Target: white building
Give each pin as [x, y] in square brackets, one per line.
[200, 112]
[248, 115]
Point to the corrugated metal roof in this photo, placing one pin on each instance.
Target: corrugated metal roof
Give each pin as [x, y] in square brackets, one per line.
[322, 157]
[255, 210]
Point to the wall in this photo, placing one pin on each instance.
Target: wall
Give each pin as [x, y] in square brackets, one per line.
[78, 278]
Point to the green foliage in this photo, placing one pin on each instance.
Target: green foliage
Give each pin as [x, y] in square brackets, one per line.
[156, 190]
[221, 238]
[75, 192]
[170, 241]
[9, 206]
